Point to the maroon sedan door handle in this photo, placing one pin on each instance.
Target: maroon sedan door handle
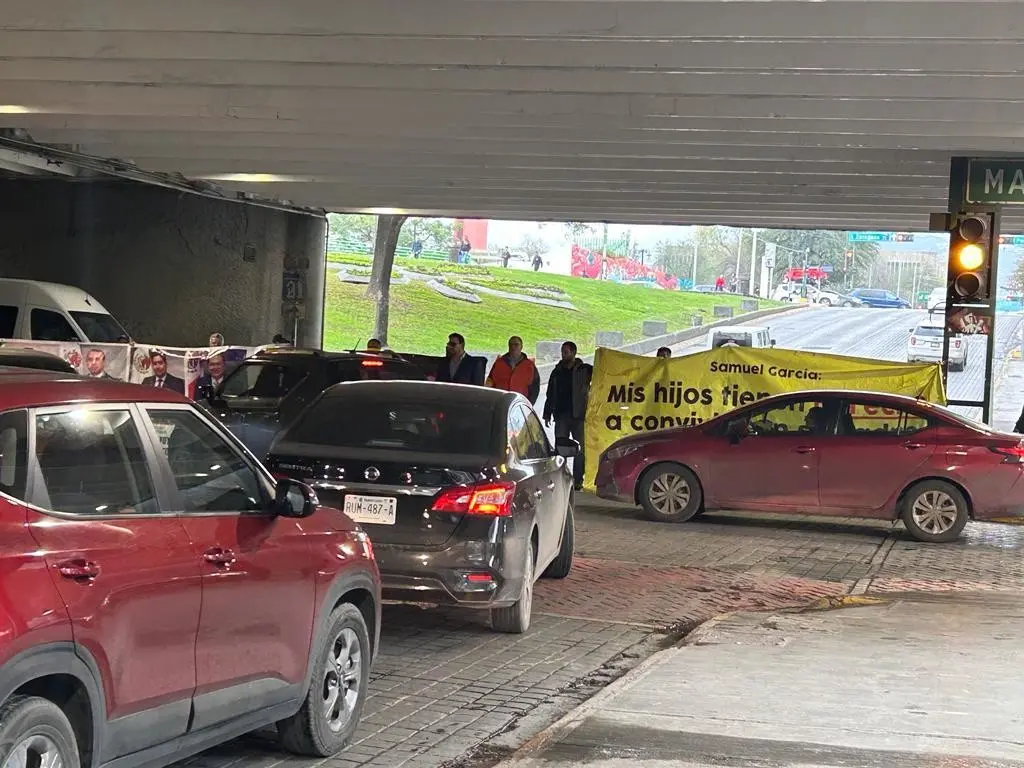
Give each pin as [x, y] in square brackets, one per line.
[913, 446]
[219, 556]
[78, 569]
[804, 449]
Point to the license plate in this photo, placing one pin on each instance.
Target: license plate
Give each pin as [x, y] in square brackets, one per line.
[935, 345]
[377, 510]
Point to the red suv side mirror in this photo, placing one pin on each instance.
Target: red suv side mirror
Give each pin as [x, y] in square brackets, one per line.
[294, 499]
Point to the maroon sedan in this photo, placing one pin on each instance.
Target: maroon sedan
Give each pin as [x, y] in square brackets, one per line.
[840, 453]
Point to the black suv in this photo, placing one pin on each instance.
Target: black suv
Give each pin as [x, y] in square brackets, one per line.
[270, 389]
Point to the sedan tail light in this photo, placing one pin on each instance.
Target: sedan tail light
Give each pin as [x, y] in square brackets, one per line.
[913, 341]
[489, 499]
[1011, 454]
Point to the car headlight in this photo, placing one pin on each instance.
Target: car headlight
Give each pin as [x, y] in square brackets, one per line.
[614, 454]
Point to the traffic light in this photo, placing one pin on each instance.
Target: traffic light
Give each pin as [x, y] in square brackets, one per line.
[970, 259]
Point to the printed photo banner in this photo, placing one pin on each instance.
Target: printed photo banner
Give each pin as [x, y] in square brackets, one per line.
[178, 368]
[631, 394]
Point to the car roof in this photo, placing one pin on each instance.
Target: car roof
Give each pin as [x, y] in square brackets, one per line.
[288, 354]
[24, 388]
[442, 392]
[929, 323]
[739, 328]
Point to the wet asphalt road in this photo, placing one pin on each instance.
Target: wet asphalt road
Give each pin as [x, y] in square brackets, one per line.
[881, 334]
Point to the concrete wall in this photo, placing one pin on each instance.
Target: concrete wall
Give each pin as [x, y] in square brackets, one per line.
[173, 267]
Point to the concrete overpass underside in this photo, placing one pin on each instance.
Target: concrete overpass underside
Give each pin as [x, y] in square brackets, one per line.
[841, 113]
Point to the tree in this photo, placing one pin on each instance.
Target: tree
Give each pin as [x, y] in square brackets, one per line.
[1015, 285]
[675, 257]
[533, 246]
[577, 230]
[354, 228]
[434, 234]
[824, 246]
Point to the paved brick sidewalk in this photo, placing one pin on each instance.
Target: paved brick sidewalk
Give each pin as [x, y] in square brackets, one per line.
[670, 597]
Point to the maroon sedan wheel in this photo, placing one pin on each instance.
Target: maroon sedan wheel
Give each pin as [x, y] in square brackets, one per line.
[670, 493]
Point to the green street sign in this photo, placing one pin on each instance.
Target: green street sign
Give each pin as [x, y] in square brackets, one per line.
[992, 181]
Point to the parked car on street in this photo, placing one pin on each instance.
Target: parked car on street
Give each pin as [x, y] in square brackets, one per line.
[466, 501]
[853, 454]
[32, 309]
[925, 345]
[163, 594]
[30, 358]
[269, 390]
[757, 336]
[875, 297]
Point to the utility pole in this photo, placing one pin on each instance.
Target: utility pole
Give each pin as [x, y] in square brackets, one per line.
[739, 253]
[604, 242]
[694, 244]
[753, 264]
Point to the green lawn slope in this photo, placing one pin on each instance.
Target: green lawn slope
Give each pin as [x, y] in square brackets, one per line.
[421, 319]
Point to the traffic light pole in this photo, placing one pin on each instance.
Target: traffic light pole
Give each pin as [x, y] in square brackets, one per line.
[960, 220]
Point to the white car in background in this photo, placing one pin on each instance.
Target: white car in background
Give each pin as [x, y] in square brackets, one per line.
[935, 298]
[925, 346]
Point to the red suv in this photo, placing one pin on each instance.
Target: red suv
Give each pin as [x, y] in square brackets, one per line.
[161, 593]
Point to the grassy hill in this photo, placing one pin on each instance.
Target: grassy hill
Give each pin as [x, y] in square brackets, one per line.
[421, 319]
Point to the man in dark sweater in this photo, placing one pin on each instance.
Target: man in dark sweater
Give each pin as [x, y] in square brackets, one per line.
[458, 367]
[566, 402]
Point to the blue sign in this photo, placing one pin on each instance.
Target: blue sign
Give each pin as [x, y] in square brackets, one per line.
[1011, 239]
[880, 237]
[293, 288]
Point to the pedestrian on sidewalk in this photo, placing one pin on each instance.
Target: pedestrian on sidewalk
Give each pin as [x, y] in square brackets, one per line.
[515, 372]
[458, 367]
[566, 403]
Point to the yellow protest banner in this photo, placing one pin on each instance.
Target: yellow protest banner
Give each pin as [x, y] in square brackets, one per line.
[631, 394]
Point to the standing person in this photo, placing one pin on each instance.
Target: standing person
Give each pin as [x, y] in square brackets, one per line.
[505, 256]
[458, 367]
[515, 372]
[665, 352]
[161, 379]
[568, 389]
[216, 340]
[720, 284]
[538, 262]
[374, 345]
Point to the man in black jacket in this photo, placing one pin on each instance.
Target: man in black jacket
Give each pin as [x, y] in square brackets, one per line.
[458, 367]
[566, 402]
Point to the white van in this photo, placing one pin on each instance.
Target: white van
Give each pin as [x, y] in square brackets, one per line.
[740, 336]
[30, 309]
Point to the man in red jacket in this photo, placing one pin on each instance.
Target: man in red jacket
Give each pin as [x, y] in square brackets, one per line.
[515, 372]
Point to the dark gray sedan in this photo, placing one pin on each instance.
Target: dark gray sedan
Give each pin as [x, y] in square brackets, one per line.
[464, 498]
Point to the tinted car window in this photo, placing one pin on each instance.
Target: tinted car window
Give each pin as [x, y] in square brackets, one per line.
[8, 321]
[13, 453]
[538, 448]
[92, 463]
[803, 416]
[518, 434]
[100, 328]
[739, 339]
[210, 475]
[371, 369]
[873, 420]
[928, 330]
[417, 424]
[51, 326]
[256, 379]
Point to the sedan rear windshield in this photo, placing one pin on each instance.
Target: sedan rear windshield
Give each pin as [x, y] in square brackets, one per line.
[264, 380]
[424, 426]
[928, 330]
[739, 339]
[371, 369]
[100, 328]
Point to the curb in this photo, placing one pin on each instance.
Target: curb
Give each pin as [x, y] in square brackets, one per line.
[648, 345]
[573, 719]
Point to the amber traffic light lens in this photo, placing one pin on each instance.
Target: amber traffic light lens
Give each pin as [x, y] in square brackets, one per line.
[972, 228]
[971, 256]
